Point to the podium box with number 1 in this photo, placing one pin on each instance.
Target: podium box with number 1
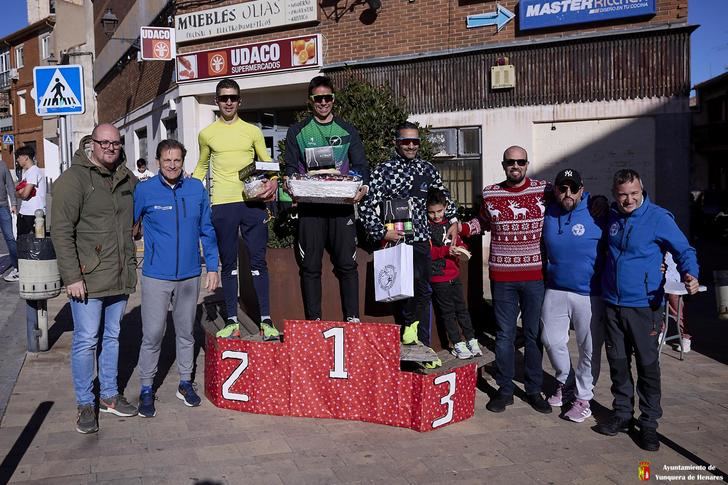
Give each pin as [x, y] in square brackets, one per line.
[335, 370]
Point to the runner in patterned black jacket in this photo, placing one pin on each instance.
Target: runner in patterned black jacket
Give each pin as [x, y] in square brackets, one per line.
[407, 176]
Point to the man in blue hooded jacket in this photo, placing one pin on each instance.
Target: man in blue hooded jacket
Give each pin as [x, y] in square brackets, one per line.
[573, 251]
[175, 214]
[639, 235]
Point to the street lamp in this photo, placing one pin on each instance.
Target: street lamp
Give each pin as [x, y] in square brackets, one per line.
[109, 23]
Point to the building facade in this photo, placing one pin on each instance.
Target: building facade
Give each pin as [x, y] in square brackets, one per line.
[595, 85]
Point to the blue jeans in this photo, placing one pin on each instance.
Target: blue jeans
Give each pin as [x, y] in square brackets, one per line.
[86, 322]
[6, 225]
[508, 298]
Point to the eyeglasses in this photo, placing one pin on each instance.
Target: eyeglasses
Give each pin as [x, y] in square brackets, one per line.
[322, 98]
[228, 98]
[408, 141]
[572, 187]
[115, 145]
[511, 162]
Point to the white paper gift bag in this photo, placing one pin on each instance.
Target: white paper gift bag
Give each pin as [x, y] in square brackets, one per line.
[394, 273]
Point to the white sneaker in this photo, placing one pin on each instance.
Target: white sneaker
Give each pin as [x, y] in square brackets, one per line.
[474, 347]
[461, 351]
[685, 344]
[12, 276]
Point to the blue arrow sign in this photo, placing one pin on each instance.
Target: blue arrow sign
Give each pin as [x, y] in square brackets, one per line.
[58, 90]
[500, 18]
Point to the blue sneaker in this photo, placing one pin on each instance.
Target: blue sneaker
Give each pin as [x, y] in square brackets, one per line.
[186, 392]
[146, 404]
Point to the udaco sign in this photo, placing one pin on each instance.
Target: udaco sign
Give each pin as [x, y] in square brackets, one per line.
[157, 43]
[262, 57]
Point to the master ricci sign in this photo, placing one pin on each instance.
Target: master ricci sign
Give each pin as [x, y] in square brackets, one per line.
[244, 17]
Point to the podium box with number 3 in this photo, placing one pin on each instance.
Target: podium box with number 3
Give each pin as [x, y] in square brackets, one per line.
[335, 370]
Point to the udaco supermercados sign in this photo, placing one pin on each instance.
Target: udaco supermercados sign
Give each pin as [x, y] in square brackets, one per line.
[244, 17]
[258, 58]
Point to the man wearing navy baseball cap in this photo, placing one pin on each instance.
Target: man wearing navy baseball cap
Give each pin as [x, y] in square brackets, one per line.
[572, 239]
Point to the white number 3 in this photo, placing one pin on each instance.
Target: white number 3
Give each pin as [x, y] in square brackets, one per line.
[447, 399]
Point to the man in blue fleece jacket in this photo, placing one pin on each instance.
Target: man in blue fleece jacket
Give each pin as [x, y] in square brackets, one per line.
[573, 253]
[639, 235]
[175, 213]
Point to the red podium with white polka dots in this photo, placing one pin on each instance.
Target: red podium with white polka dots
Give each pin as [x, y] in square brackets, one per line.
[335, 370]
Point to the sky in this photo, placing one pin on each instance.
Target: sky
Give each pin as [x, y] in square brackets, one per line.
[708, 46]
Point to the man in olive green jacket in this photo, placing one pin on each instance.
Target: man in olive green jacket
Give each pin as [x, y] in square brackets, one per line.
[92, 216]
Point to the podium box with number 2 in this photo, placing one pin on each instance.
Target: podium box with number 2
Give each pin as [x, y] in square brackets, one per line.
[335, 370]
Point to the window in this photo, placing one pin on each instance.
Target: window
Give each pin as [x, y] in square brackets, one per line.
[4, 61]
[141, 136]
[458, 157]
[19, 60]
[45, 47]
[21, 102]
[170, 126]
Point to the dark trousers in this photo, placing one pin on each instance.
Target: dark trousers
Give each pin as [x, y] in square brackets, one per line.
[508, 298]
[451, 309]
[332, 228]
[417, 308]
[249, 219]
[25, 224]
[634, 330]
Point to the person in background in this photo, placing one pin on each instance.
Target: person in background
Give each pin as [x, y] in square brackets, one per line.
[31, 190]
[142, 173]
[8, 206]
[447, 290]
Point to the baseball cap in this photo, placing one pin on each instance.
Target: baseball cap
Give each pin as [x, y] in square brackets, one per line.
[568, 175]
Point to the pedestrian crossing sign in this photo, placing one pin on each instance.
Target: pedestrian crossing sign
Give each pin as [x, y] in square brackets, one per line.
[58, 90]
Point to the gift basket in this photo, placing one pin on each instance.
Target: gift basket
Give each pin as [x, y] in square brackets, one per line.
[324, 188]
[255, 175]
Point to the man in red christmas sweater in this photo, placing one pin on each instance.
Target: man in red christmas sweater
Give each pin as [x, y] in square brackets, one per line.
[513, 212]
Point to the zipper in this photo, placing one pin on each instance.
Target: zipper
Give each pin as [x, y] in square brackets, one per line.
[623, 246]
[184, 208]
[176, 220]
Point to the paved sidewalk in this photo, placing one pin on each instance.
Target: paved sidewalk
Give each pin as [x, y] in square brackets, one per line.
[208, 445]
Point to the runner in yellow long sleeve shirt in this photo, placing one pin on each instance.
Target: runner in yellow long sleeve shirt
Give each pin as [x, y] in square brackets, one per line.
[226, 146]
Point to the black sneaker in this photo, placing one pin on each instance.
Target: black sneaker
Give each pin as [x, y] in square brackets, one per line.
[86, 421]
[538, 403]
[117, 405]
[613, 425]
[498, 403]
[648, 439]
[146, 404]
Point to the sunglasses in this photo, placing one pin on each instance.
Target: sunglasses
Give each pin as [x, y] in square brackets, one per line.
[322, 98]
[408, 141]
[572, 187]
[227, 98]
[511, 162]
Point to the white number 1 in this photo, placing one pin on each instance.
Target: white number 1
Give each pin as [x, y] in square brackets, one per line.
[338, 372]
[447, 399]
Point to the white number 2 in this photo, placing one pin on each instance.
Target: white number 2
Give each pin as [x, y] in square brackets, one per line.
[338, 372]
[447, 399]
[243, 357]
